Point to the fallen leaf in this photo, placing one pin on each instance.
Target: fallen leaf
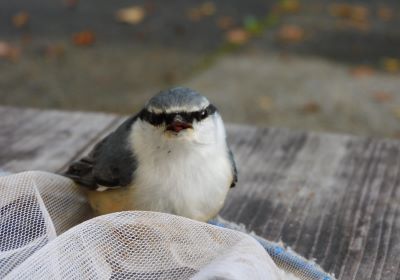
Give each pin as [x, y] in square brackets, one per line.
[385, 13]
[265, 103]
[359, 13]
[362, 71]
[225, 22]
[289, 6]
[194, 14]
[391, 65]
[238, 36]
[9, 52]
[84, 38]
[207, 9]
[204, 10]
[353, 16]
[21, 19]
[311, 107]
[340, 10]
[347, 11]
[382, 96]
[131, 15]
[290, 34]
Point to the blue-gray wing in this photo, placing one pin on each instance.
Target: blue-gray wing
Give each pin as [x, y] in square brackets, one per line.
[111, 163]
[234, 169]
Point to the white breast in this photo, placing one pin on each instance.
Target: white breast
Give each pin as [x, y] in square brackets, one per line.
[188, 174]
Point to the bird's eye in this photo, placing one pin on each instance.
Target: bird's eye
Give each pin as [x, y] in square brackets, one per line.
[203, 114]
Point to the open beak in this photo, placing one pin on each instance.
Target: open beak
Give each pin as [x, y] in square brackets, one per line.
[177, 126]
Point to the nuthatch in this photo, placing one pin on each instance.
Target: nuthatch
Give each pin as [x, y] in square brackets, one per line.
[171, 157]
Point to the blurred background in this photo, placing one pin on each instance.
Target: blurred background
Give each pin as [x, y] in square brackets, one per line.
[304, 64]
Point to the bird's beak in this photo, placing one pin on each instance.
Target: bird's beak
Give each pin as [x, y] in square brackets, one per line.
[178, 124]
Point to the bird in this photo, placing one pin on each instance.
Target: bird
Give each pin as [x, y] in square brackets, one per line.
[171, 157]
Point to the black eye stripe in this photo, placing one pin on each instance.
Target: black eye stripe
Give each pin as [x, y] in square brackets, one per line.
[160, 118]
[211, 109]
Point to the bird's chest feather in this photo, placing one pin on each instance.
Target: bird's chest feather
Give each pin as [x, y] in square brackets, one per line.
[182, 178]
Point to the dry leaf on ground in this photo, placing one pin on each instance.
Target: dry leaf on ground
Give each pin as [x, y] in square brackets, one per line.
[362, 71]
[237, 36]
[342, 10]
[385, 13]
[208, 8]
[311, 107]
[353, 16]
[360, 13]
[289, 6]
[382, 96]
[84, 38]
[391, 65]
[9, 52]
[290, 34]
[356, 13]
[204, 10]
[131, 15]
[21, 19]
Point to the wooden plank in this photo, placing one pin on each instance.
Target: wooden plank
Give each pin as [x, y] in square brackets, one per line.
[330, 197]
[36, 140]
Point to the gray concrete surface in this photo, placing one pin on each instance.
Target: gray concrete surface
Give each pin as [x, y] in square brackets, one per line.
[105, 78]
[301, 93]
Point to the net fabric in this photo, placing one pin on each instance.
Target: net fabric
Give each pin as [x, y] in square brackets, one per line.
[146, 245]
[36, 207]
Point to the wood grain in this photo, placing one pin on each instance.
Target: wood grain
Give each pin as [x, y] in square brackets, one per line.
[34, 140]
[334, 198]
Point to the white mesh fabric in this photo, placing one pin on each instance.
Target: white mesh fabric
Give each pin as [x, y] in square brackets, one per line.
[147, 245]
[35, 207]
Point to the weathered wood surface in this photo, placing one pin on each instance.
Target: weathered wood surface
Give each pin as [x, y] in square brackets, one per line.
[333, 198]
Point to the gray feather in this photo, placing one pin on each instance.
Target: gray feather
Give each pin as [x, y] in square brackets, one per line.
[179, 97]
[234, 169]
[111, 163]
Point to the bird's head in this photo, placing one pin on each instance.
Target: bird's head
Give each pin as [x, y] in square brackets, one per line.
[181, 113]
